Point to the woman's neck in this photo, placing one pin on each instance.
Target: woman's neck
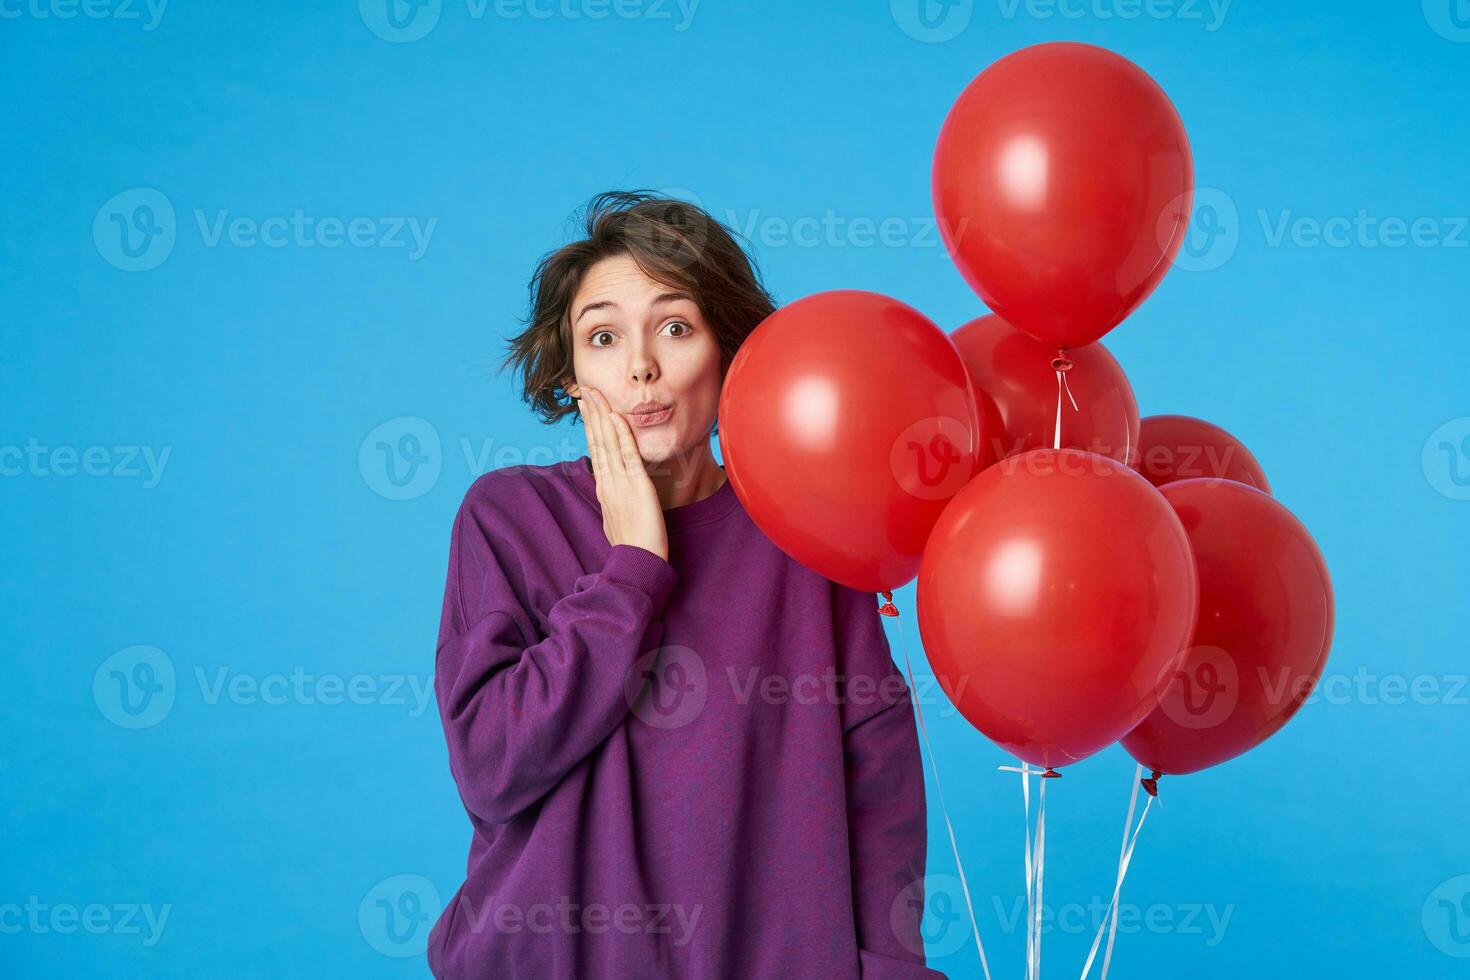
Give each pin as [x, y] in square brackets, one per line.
[686, 478]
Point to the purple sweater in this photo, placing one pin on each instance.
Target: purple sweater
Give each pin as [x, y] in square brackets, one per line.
[701, 768]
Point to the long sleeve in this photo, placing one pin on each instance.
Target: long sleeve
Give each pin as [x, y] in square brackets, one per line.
[886, 814]
[521, 710]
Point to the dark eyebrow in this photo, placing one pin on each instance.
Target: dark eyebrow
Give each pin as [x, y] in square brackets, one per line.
[606, 304]
[599, 305]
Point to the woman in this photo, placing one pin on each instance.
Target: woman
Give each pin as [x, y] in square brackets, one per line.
[682, 753]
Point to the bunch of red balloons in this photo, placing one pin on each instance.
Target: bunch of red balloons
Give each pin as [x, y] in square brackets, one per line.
[1084, 576]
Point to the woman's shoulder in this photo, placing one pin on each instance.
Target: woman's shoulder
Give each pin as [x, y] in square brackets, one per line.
[519, 482]
[512, 495]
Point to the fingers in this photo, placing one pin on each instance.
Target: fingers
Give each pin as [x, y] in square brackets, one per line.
[627, 443]
[607, 435]
[589, 409]
[604, 440]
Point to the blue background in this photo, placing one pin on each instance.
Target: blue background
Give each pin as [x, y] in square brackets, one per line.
[271, 827]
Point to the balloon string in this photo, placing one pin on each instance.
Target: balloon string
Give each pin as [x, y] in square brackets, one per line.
[1122, 867]
[1040, 865]
[1030, 877]
[1125, 858]
[1127, 444]
[1062, 366]
[1123, 870]
[1035, 861]
[889, 609]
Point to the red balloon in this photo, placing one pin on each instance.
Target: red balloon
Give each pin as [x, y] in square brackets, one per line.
[1018, 390]
[1063, 184]
[1055, 599]
[847, 422]
[1265, 625]
[1178, 447]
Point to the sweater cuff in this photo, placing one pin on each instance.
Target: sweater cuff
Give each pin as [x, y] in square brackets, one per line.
[640, 568]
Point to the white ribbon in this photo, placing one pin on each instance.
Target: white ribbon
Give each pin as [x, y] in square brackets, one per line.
[1125, 858]
[939, 792]
[1040, 866]
[1035, 862]
[1062, 386]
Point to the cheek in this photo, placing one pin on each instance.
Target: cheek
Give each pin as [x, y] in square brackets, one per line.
[600, 372]
[697, 383]
[703, 396]
[698, 371]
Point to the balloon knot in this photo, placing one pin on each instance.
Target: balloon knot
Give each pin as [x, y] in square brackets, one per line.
[1051, 774]
[1151, 784]
[1061, 362]
[888, 608]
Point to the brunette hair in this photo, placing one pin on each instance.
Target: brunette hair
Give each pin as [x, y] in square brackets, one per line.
[675, 243]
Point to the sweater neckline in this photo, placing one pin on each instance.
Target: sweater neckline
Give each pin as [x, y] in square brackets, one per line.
[705, 511]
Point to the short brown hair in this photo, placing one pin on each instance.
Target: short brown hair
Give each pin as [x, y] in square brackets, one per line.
[674, 242]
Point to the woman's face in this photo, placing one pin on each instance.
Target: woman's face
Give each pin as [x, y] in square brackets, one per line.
[639, 341]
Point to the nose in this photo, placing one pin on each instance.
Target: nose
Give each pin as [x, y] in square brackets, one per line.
[643, 369]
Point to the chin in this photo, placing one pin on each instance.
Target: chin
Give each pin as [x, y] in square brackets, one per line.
[659, 447]
[655, 447]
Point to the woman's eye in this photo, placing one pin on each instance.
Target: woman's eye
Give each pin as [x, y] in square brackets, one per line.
[601, 333]
[685, 328]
